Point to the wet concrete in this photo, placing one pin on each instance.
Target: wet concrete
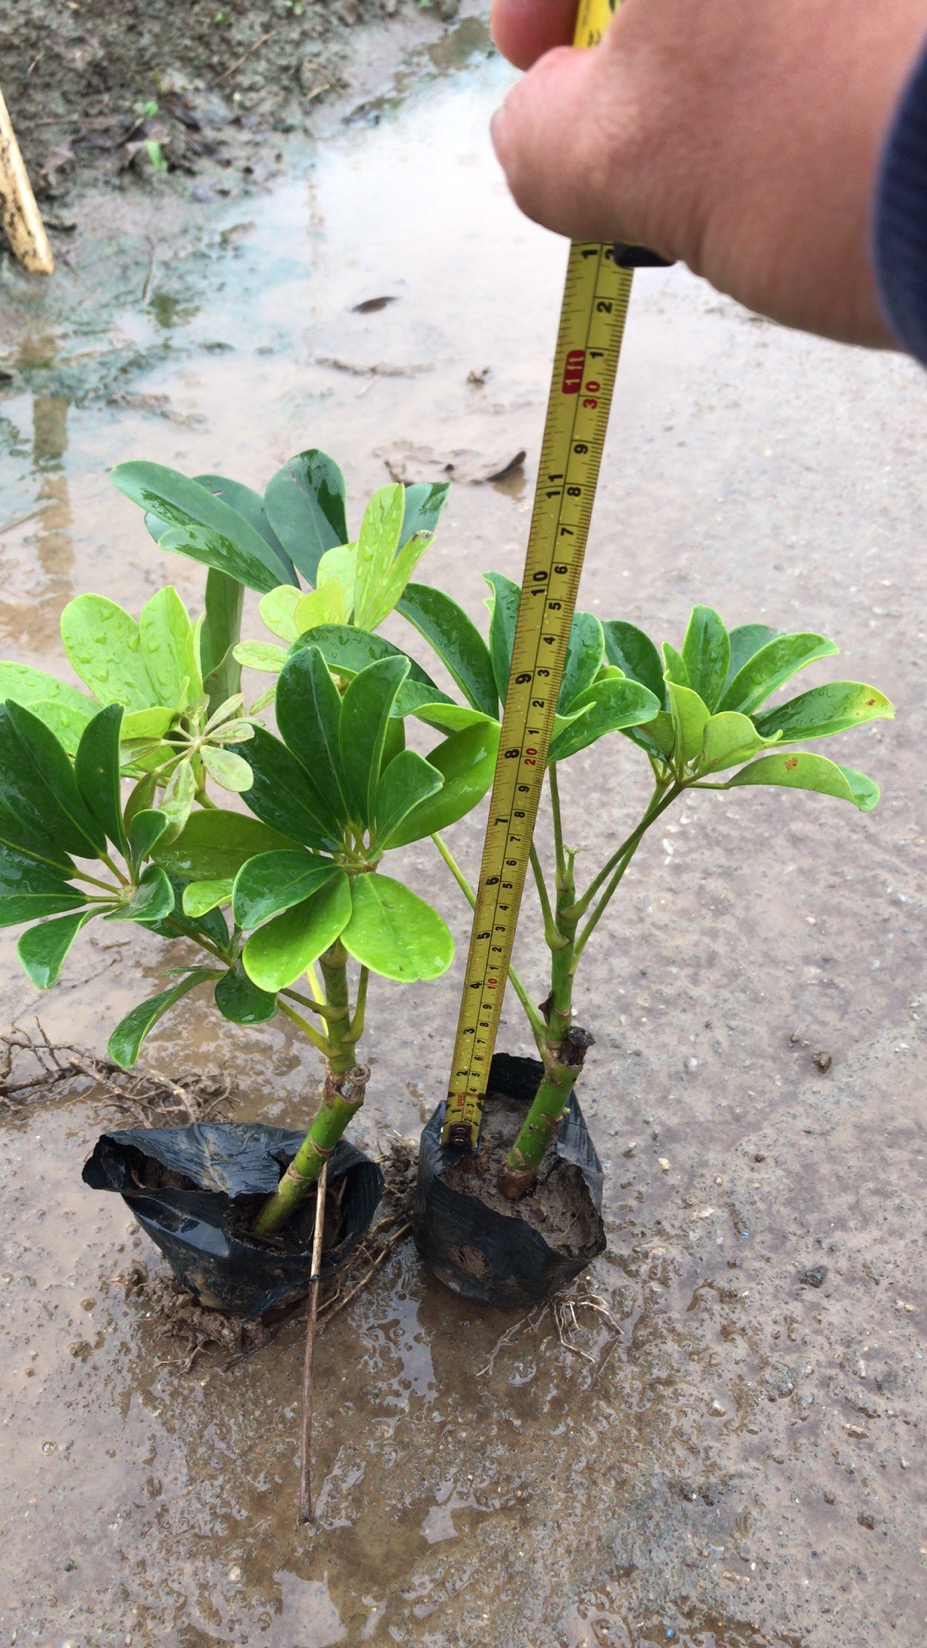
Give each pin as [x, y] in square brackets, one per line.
[741, 1464]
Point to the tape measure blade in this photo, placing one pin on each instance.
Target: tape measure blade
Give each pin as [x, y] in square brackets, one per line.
[593, 313]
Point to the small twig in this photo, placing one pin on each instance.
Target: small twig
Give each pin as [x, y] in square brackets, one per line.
[244, 58]
[338, 1303]
[509, 1334]
[304, 1508]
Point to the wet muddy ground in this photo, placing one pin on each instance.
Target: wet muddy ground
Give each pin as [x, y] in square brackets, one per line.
[720, 1442]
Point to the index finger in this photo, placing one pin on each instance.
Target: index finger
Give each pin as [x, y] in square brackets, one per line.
[525, 29]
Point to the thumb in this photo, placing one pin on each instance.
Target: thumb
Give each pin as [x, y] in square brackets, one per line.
[564, 139]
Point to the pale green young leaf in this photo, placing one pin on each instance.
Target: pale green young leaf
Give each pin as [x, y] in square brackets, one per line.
[103, 647]
[674, 666]
[227, 769]
[454, 717]
[169, 651]
[147, 725]
[178, 798]
[377, 543]
[690, 717]
[801, 770]
[407, 559]
[706, 654]
[278, 611]
[278, 953]
[339, 566]
[728, 740]
[395, 933]
[325, 605]
[199, 897]
[261, 655]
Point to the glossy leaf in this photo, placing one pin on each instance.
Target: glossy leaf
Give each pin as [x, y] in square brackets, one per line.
[309, 711]
[42, 949]
[215, 844]
[241, 1001]
[283, 796]
[769, 667]
[103, 646]
[145, 829]
[278, 611]
[746, 640]
[457, 642]
[365, 713]
[395, 933]
[210, 926]
[168, 650]
[245, 501]
[633, 652]
[125, 1043]
[65, 710]
[453, 717]
[227, 769]
[226, 554]
[585, 653]
[800, 770]
[347, 650]
[97, 770]
[273, 882]
[304, 503]
[466, 762]
[278, 953]
[29, 890]
[339, 566]
[146, 726]
[405, 784]
[177, 799]
[199, 897]
[325, 605]
[728, 740]
[504, 610]
[825, 710]
[706, 653]
[690, 718]
[424, 501]
[609, 706]
[377, 544]
[37, 782]
[657, 738]
[219, 636]
[152, 899]
[674, 667]
[261, 655]
[181, 505]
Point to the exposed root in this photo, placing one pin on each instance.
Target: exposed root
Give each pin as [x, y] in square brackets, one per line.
[567, 1325]
[32, 1066]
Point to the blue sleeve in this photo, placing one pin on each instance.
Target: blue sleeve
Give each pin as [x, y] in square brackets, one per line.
[900, 226]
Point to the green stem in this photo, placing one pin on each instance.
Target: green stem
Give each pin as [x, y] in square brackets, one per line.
[630, 848]
[302, 1024]
[360, 1006]
[535, 1019]
[105, 859]
[341, 1040]
[550, 926]
[557, 819]
[657, 804]
[84, 875]
[341, 1100]
[320, 1007]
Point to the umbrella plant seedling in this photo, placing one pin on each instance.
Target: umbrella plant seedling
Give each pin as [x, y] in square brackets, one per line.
[700, 715]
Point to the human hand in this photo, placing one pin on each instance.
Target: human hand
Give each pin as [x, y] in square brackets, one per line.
[742, 136]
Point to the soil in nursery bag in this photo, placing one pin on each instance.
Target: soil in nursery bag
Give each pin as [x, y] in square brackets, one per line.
[197, 1190]
[511, 1254]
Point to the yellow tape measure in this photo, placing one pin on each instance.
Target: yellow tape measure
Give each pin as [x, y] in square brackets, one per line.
[592, 319]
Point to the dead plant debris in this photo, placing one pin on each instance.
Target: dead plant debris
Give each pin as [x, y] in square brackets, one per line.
[32, 1066]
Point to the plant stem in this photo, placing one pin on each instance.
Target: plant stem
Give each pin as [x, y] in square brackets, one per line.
[547, 914]
[320, 1007]
[557, 818]
[657, 804]
[341, 1041]
[629, 849]
[302, 1024]
[343, 1096]
[535, 1019]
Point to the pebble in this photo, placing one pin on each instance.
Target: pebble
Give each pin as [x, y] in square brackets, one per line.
[664, 1163]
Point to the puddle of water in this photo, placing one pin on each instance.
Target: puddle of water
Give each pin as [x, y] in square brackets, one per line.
[473, 1486]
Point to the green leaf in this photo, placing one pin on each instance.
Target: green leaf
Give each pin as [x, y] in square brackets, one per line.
[227, 769]
[220, 633]
[706, 654]
[278, 611]
[690, 718]
[145, 829]
[65, 710]
[278, 953]
[365, 713]
[453, 717]
[405, 784]
[304, 503]
[424, 501]
[42, 949]
[178, 797]
[169, 650]
[97, 770]
[250, 504]
[29, 890]
[657, 738]
[224, 554]
[261, 655]
[211, 926]
[395, 933]
[466, 762]
[215, 844]
[770, 666]
[377, 544]
[325, 605]
[585, 652]
[103, 645]
[633, 652]
[199, 897]
[309, 711]
[674, 666]
[37, 782]
[746, 639]
[613, 704]
[151, 900]
[339, 567]
[148, 725]
[825, 710]
[347, 651]
[457, 642]
[399, 574]
[241, 1001]
[284, 796]
[180, 505]
[503, 606]
[801, 770]
[729, 738]
[126, 1040]
[273, 882]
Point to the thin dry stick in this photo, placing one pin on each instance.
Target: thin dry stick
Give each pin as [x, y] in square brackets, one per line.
[341, 1300]
[244, 58]
[304, 1508]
